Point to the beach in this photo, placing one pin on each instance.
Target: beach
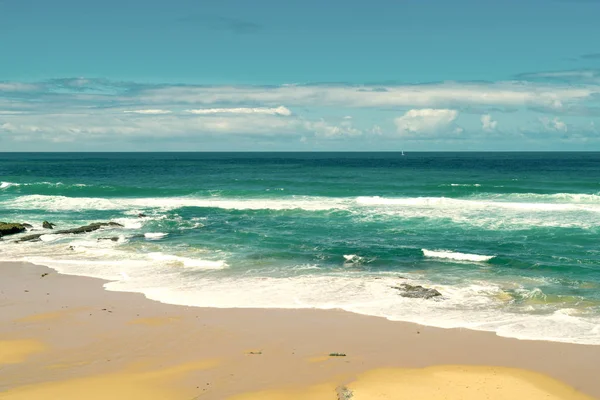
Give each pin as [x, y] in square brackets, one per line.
[66, 337]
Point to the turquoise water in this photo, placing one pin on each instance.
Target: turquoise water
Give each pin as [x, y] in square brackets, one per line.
[509, 239]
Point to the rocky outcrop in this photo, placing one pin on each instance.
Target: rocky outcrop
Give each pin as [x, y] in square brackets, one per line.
[10, 228]
[48, 225]
[113, 239]
[82, 229]
[28, 226]
[416, 291]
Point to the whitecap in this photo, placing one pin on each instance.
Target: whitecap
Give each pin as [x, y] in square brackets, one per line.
[450, 255]
[187, 261]
[155, 235]
[5, 185]
[353, 258]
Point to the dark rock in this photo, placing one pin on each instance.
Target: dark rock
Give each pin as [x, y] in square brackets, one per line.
[416, 291]
[142, 215]
[82, 229]
[114, 238]
[91, 227]
[28, 226]
[48, 225]
[10, 228]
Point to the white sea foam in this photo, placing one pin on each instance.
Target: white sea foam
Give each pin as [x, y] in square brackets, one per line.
[572, 202]
[487, 212]
[63, 203]
[470, 306]
[130, 223]
[306, 267]
[169, 259]
[4, 185]
[50, 238]
[353, 258]
[473, 203]
[159, 275]
[450, 255]
[155, 235]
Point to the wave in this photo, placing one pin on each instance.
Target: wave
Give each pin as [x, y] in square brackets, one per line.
[193, 280]
[64, 203]
[560, 198]
[155, 235]
[489, 201]
[473, 306]
[353, 258]
[589, 202]
[6, 185]
[492, 212]
[168, 259]
[450, 255]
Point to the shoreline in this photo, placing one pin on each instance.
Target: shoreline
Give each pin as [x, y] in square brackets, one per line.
[70, 327]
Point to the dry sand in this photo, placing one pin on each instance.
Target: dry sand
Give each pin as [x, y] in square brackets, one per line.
[64, 337]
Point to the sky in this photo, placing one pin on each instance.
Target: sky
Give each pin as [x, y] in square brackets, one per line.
[299, 75]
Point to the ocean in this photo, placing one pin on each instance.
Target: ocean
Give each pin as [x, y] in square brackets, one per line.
[510, 240]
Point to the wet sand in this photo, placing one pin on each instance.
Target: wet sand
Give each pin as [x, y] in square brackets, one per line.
[65, 337]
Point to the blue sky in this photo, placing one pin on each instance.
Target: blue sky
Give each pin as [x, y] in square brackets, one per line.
[299, 75]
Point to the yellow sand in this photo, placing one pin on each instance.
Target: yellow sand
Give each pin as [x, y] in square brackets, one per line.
[17, 351]
[157, 321]
[50, 316]
[319, 392]
[147, 385]
[439, 382]
[460, 382]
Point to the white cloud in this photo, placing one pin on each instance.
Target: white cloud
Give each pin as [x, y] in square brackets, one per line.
[148, 112]
[243, 110]
[10, 112]
[425, 121]
[554, 124]
[18, 87]
[487, 123]
[376, 130]
[71, 111]
[566, 75]
[329, 131]
[86, 127]
[106, 125]
[509, 94]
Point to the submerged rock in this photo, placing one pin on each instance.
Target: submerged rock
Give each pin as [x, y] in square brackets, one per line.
[416, 291]
[10, 228]
[114, 238]
[48, 225]
[81, 229]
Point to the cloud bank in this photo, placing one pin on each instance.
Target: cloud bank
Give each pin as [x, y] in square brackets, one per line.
[88, 111]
